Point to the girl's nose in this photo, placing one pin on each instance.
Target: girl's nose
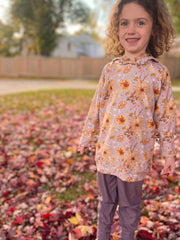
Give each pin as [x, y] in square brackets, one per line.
[131, 29]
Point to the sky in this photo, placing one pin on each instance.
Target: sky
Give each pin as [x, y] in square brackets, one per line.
[4, 4]
[90, 3]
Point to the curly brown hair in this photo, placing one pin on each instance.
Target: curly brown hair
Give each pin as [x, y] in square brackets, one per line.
[163, 32]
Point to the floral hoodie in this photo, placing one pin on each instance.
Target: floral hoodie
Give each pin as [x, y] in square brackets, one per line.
[132, 107]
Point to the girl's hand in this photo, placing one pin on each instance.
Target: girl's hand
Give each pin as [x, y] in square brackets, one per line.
[169, 167]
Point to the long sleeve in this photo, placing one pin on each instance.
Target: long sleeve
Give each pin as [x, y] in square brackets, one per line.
[164, 117]
[91, 125]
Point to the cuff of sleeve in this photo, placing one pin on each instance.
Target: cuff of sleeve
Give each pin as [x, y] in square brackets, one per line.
[168, 150]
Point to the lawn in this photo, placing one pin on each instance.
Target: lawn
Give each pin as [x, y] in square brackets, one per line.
[176, 82]
[48, 191]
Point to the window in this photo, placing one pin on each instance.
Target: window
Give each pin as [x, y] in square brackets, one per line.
[69, 46]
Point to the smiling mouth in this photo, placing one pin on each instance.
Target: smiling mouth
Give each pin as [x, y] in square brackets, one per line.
[132, 40]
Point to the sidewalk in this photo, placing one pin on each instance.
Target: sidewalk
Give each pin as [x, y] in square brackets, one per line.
[8, 86]
[176, 89]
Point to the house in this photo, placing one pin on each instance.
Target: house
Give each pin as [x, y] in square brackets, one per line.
[78, 45]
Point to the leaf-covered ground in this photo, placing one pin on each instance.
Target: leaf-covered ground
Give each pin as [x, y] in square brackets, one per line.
[48, 191]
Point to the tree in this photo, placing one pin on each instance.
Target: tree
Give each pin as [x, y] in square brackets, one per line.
[8, 44]
[174, 6]
[95, 24]
[40, 20]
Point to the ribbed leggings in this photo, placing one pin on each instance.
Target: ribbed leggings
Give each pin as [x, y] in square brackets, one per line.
[114, 191]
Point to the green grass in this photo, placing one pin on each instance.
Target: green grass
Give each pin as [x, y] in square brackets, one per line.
[76, 190]
[176, 82]
[38, 99]
[176, 95]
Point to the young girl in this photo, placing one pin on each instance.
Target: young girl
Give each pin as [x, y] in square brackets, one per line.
[132, 106]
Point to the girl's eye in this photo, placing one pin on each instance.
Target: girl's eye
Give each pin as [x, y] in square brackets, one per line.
[140, 23]
[124, 24]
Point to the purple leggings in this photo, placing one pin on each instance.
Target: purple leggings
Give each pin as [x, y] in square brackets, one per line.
[113, 191]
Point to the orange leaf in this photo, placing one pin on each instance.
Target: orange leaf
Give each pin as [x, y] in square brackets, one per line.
[91, 197]
[47, 200]
[40, 171]
[70, 160]
[32, 175]
[143, 221]
[115, 236]
[47, 161]
[31, 182]
[85, 157]
[170, 178]
[32, 158]
[18, 232]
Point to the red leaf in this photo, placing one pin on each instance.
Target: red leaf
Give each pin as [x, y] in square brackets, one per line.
[68, 215]
[156, 189]
[143, 234]
[173, 227]
[11, 209]
[19, 219]
[39, 164]
[46, 215]
[5, 194]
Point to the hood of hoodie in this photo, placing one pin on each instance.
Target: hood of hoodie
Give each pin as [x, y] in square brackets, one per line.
[140, 60]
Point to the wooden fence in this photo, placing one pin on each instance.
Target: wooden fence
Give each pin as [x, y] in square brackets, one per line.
[82, 67]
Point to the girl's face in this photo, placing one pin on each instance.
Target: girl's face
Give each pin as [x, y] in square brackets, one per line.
[135, 29]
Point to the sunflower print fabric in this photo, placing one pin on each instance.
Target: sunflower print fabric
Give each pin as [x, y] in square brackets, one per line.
[132, 107]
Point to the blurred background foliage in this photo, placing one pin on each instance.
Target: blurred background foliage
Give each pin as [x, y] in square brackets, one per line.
[174, 6]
